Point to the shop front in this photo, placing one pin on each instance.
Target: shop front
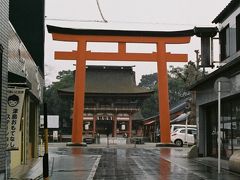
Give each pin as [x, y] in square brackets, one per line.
[230, 128]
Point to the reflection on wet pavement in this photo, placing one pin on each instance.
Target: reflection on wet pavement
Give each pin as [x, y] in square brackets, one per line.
[129, 163]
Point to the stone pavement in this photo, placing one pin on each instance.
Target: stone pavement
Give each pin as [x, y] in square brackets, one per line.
[128, 162]
[33, 170]
[211, 161]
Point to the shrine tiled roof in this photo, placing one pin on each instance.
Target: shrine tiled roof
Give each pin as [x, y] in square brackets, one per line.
[110, 80]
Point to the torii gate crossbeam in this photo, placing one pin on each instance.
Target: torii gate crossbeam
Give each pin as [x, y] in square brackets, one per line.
[82, 37]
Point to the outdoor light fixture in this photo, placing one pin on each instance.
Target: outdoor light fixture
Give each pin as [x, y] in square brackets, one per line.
[206, 34]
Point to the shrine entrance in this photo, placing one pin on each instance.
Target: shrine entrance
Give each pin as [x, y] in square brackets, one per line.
[104, 127]
[122, 38]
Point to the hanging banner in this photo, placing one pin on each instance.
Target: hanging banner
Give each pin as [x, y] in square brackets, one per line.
[15, 100]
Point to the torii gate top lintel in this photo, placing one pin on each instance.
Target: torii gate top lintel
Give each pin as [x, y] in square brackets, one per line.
[132, 33]
[122, 37]
[160, 38]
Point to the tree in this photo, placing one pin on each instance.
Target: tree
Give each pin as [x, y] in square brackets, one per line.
[189, 74]
[150, 105]
[148, 81]
[177, 90]
[56, 105]
[179, 79]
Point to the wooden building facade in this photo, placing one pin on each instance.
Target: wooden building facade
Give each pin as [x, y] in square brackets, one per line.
[112, 102]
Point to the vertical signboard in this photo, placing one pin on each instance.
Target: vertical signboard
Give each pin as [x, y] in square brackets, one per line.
[15, 99]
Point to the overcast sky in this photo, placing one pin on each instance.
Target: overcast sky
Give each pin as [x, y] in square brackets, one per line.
[150, 15]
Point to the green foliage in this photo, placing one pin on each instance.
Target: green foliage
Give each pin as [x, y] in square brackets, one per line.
[56, 105]
[148, 81]
[189, 74]
[177, 90]
[150, 105]
[179, 79]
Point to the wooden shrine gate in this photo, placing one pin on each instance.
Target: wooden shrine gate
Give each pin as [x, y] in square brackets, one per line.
[83, 36]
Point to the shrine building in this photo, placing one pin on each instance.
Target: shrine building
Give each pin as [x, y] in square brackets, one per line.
[112, 102]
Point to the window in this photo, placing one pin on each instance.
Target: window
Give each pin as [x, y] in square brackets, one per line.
[182, 131]
[238, 32]
[225, 42]
[192, 131]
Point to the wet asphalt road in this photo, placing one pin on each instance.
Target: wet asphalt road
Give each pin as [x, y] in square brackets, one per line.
[127, 162]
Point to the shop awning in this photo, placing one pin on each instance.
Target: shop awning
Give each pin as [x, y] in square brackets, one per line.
[180, 118]
[150, 122]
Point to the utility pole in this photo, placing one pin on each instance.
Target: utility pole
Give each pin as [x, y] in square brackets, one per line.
[45, 156]
[197, 58]
[221, 85]
[193, 93]
[219, 128]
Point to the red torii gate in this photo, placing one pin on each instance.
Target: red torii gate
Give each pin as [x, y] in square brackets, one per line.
[83, 36]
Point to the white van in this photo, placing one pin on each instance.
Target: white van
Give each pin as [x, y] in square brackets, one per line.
[173, 127]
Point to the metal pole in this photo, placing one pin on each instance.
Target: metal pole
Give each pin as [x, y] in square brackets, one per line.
[219, 129]
[45, 157]
[197, 58]
[211, 52]
[155, 131]
[186, 124]
[6, 165]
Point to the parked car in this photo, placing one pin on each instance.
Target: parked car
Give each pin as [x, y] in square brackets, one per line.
[179, 137]
[173, 127]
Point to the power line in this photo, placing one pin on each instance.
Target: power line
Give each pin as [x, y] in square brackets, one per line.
[99, 8]
[157, 23]
[74, 20]
[125, 22]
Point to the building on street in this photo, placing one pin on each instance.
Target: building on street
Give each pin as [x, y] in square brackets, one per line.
[4, 9]
[206, 95]
[179, 114]
[21, 47]
[112, 102]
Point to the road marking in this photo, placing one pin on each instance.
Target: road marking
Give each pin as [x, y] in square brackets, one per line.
[52, 166]
[94, 168]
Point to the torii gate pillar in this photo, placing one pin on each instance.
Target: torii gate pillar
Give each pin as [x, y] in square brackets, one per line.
[161, 39]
